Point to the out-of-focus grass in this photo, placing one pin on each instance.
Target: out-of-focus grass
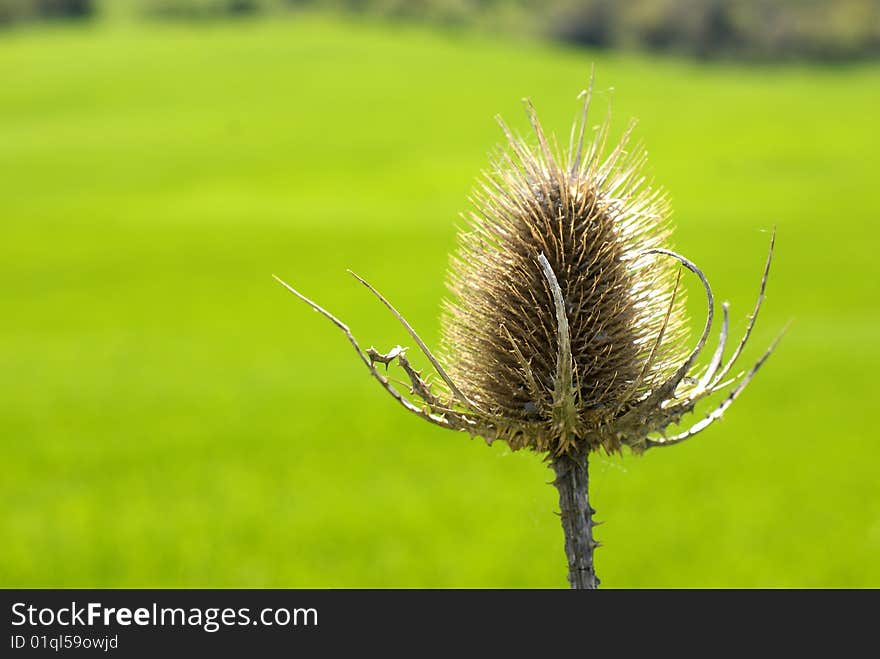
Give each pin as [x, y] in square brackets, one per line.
[172, 417]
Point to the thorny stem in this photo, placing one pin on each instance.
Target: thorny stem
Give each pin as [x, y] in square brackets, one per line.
[572, 481]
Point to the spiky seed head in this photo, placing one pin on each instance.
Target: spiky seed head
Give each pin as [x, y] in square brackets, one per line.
[591, 214]
[565, 331]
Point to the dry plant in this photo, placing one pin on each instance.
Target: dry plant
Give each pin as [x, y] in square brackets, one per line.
[565, 330]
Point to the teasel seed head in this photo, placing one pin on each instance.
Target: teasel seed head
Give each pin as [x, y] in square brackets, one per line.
[565, 330]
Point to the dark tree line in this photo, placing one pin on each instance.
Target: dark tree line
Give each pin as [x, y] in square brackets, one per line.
[19, 10]
[757, 29]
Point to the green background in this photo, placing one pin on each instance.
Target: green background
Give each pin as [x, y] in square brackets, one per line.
[170, 416]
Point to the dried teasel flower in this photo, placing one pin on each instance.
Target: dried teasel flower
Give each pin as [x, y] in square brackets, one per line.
[565, 332]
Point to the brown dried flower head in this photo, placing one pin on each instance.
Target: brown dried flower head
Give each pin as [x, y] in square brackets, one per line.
[566, 330]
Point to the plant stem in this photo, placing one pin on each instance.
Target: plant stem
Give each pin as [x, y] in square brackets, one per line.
[572, 481]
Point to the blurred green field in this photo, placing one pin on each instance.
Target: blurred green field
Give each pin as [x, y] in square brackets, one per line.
[171, 417]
